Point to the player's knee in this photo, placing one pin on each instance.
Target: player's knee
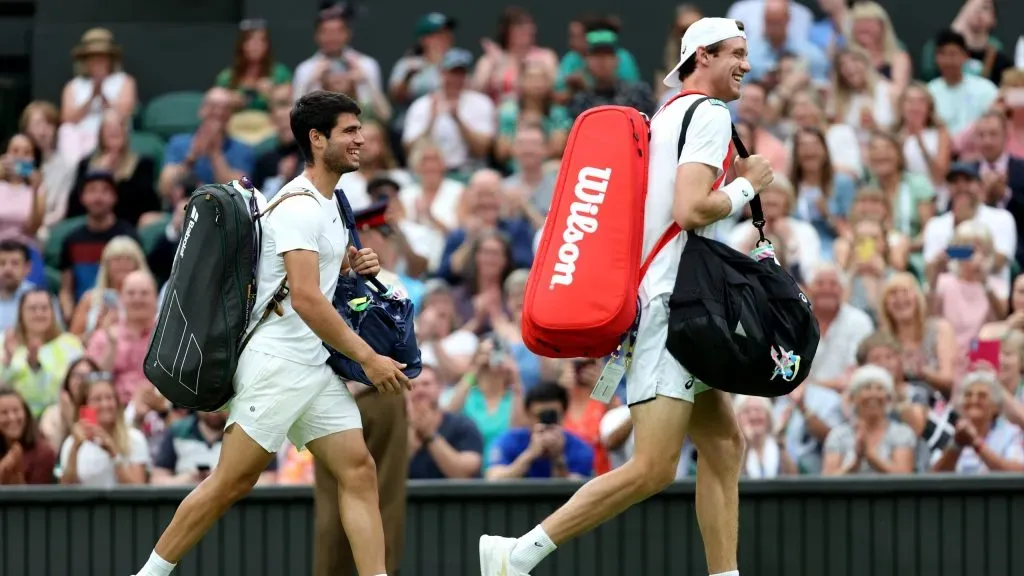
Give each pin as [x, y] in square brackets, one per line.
[232, 487]
[653, 474]
[360, 474]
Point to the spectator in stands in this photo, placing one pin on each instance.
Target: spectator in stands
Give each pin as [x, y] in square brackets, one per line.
[460, 120]
[871, 31]
[984, 440]
[801, 239]
[57, 420]
[442, 445]
[752, 110]
[1012, 96]
[497, 73]
[870, 203]
[927, 144]
[842, 326]
[867, 265]
[542, 449]
[764, 51]
[1015, 313]
[871, 443]
[824, 196]
[419, 72]
[276, 166]
[386, 241]
[928, 343]
[479, 298]
[120, 346]
[911, 401]
[39, 121]
[209, 153]
[507, 324]
[967, 195]
[100, 306]
[533, 105]
[419, 247]
[37, 352]
[376, 160]
[976, 21]
[254, 72]
[434, 200]
[686, 15]
[960, 98]
[443, 342]
[161, 255]
[765, 456]
[333, 38]
[1002, 175]
[14, 282]
[99, 84]
[1011, 375]
[21, 186]
[573, 73]
[102, 451]
[583, 414]
[191, 449]
[483, 201]
[346, 76]
[911, 196]
[861, 97]
[25, 456]
[806, 111]
[968, 295]
[752, 14]
[137, 202]
[490, 392]
[529, 190]
[606, 87]
[829, 33]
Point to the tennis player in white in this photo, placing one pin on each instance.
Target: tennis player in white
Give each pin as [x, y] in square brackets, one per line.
[283, 386]
[665, 401]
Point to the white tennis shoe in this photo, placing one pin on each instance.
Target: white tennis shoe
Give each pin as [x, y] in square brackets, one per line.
[494, 556]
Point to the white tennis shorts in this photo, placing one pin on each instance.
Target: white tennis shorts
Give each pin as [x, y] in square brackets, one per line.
[276, 399]
[654, 371]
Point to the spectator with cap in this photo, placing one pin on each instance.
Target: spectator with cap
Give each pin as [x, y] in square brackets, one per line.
[960, 98]
[278, 165]
[377, 233]
[606, 87]
[764, 52]
[419, 246]
[209, 153]
[442, 444]
[459, 120]
[419, 72]
[333, 38]
[573, 75]
[254, 72]
[82, 249]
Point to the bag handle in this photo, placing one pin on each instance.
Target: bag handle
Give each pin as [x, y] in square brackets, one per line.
[350, 221]
[756, 212]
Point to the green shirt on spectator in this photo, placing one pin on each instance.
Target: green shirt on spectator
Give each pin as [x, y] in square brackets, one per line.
[279, 74]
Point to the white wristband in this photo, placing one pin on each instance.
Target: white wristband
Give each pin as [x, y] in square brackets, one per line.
[740, 192]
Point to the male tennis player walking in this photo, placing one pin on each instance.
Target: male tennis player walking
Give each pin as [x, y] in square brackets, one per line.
[665, 401]
[283, 386]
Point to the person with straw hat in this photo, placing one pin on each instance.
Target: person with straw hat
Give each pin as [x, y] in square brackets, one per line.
[99, 83]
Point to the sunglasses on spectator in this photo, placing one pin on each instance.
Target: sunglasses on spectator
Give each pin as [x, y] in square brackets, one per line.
[98, 377]
[250, 24]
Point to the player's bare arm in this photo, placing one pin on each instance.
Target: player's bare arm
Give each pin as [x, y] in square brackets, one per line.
[697, 204]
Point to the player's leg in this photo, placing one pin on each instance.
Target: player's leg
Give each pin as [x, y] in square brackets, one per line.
[261, 412]
[332, 553]
[331, 429]
[719, 443]
[661, 405]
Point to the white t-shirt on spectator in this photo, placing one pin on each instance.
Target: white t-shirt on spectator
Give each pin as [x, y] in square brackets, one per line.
[751, 13]
[299, 223]
[354, 185]
[837, 348]
[938, 233]
[96, 467]
[425, 241]
[461, 343]
[879, 102]
[445, 207]
[611, 422]
[364, 92]
[803, 246]
[475, 110]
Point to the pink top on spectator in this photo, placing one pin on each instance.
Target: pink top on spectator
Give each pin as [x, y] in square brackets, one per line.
[965, 306]
[128, 357]
[15, 211]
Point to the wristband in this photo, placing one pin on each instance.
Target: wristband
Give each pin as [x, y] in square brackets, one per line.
[740, 192]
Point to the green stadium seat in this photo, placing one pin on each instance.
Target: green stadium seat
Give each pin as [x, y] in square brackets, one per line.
[151, 234]
[172, 113]
[264, 147]
[59, 231]
[149, 145]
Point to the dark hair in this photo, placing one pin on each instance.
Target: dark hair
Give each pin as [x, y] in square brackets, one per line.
[240, 63]
[796, 175]
[15, 246]
[546, 392]
[610, 23]
[37, 152]
[950, 36]
[333, 10]
[29, 433]
[690, 66]
[93, 367]
[470, 274]
[318, 111]
[511, 16]
[878, 339]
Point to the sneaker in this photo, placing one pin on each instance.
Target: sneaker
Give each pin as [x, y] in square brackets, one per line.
[494, 556]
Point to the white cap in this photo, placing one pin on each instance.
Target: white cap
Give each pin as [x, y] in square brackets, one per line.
[702, 33]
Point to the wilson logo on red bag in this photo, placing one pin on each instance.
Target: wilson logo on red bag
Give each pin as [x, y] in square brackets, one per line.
[591, 185]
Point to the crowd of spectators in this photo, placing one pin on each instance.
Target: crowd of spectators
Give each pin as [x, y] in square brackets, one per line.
[897, 202]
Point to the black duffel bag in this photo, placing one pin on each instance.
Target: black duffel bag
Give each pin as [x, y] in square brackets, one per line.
[739, 324]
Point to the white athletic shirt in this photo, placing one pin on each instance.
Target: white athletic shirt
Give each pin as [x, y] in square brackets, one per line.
[708, 141]
[298, 223]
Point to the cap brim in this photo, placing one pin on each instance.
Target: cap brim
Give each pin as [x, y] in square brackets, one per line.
[672, 79]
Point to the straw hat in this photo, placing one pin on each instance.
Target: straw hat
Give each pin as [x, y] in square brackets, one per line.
[97, 41]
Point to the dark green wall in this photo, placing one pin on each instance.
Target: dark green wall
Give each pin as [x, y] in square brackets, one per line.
[922, 526]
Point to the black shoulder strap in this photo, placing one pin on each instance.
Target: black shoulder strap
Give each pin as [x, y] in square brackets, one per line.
[349, 217]
[757, 214]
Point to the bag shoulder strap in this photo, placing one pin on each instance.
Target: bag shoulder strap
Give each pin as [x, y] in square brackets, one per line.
[673, 228]
[277, 201]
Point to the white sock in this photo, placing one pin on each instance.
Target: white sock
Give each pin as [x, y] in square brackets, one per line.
[530, 549]
[729, 573]
[156, 566]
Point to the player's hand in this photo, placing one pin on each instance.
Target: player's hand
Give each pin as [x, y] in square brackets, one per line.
[364, 262]
[386, 374]
[755, 169]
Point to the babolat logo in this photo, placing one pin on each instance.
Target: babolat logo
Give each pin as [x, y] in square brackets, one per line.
[591, 185]
[193, 218]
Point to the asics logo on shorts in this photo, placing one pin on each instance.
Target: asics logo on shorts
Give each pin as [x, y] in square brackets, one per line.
[591, 185]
